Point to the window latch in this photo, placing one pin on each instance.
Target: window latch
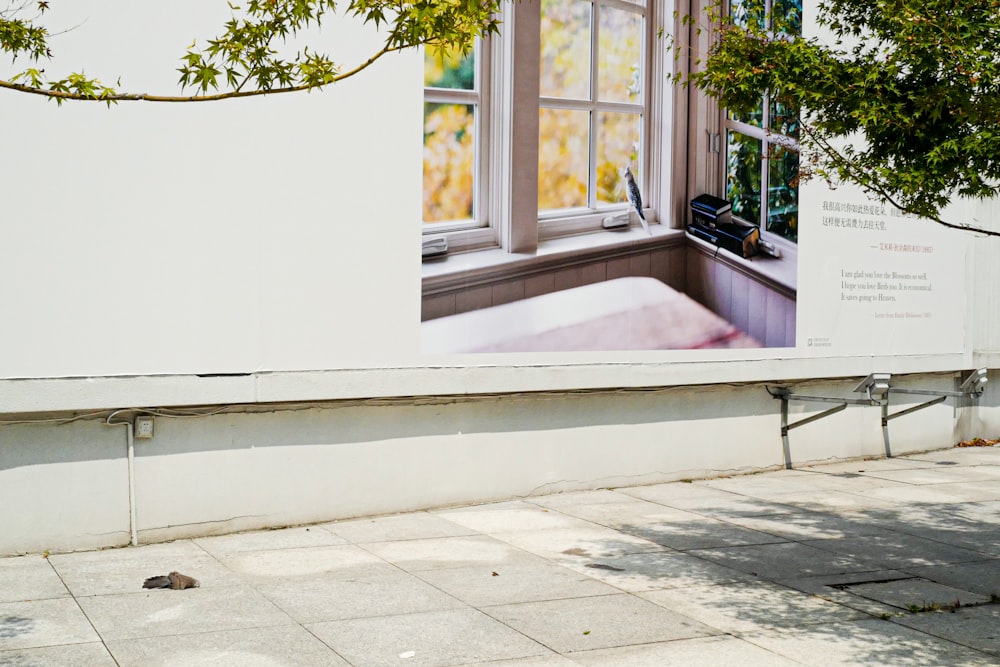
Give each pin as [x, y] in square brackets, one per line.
[714, 142]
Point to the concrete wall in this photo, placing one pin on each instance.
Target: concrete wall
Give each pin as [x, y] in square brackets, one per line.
[65, 487]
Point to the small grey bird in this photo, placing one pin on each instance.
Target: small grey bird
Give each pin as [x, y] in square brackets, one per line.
[174, 580]
[635, 198]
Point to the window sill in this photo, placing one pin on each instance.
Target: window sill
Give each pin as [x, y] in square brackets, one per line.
[780, 273]
[482, 265]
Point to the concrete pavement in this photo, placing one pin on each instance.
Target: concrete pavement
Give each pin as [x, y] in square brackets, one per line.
[876, 562]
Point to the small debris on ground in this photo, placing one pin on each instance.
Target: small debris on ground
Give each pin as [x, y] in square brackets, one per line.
[977, 442]
[175, 581]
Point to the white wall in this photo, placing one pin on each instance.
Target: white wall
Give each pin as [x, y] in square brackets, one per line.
[65, 487]
[266, 233]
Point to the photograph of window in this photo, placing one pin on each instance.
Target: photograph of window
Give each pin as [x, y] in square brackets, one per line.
[592, 106]
[453, 109]
[526, 143]
[762, 147]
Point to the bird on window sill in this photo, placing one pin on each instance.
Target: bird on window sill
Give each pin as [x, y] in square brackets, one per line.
[635, 199]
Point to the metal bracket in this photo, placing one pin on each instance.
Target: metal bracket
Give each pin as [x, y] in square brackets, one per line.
[785, 394]
[972, 387]
[877, 387]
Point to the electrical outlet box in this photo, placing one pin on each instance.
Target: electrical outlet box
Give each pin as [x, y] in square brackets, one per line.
[144, 426]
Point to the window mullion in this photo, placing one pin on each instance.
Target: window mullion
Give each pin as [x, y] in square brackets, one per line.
[520, 110]
[595, 34]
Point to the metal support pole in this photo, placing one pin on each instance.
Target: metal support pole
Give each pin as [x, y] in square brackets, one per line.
[785, 448]
[926, 404]
[786, 396]
[885, 428]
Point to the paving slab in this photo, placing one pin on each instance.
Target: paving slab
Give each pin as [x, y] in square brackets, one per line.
[929, 494]
[599, 622]
[806, 526]
[915, 594]
[982, 577]
[491, 521]
[935, 475]
[724, 505]
[340, 560]
[669, 493]
[751, 607]
[280, 646]
[974, 627]
[700, 652]
[285, 538]
[765, 486]
[834, 588]
[961, 455]
[332, 598]
[699, 533]
[451, 552]
[869, 464]
[889, 550]
[972, 491]
[29, 578]
[567, 544]
[866, 643]
[38, 623]
[165, 612]
[483, 586]
[578, 498]
[92, 654]
[627, 511]
[551, 660]
[652, 571]
[977, 513]
[123, 570]
[776, 562]
[430, 639]
[416, 526]
[842, 500]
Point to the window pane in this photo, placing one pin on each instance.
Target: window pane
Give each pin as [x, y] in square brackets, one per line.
[755, 117]
[449, 69]
[783, 120]
[617, 147]
[787, 16]
[743, 164]
[449, 159]
[619, 72]
[563, 148]
[565, 57]
[747, 12]
[783, 192]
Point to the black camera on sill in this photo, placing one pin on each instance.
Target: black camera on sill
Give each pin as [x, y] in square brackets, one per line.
[712, 221]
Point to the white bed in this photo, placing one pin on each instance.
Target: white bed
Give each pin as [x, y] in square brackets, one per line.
[622, 314]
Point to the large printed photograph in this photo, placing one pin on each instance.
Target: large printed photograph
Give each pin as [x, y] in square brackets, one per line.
[611, 175]
[607, 210]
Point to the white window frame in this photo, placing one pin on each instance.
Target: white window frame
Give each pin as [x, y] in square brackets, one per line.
[563, 222]
[476, 231]
[506, 201]
[767, 139]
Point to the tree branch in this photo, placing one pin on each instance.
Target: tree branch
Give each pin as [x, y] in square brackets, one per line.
[867, 183]
[145, 97]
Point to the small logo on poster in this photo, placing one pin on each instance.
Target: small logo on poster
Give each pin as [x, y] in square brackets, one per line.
[818, 342]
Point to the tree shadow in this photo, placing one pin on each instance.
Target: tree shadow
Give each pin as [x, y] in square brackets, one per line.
[12, 626]
[792, 593]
